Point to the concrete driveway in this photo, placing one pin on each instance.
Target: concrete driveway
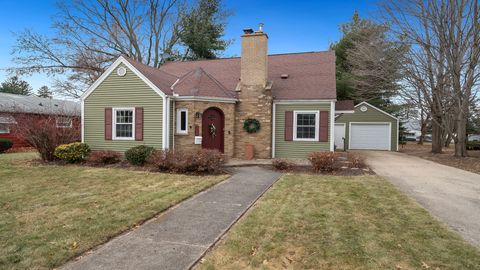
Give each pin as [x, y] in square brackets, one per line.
[451, 194]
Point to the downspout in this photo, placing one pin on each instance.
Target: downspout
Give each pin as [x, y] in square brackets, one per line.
[82, 120]
[332, 126]
[273, 129]
[167, 132]
[164, 124]
[174, 123]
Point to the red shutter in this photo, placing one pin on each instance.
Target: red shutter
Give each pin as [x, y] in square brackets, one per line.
[139, 124]
[288, 126]
[108, 123]
[323, 135]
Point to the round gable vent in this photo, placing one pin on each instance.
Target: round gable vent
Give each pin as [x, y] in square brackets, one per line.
[121, 71]
[363, 108]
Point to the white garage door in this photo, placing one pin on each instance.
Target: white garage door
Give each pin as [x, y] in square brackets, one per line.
[370, 136]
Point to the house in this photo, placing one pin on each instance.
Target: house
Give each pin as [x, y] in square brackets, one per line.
[366, 128]
[16, 108]
[280, 105]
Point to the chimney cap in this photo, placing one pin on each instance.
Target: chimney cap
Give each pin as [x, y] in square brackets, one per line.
[248, 31]
[260, 28]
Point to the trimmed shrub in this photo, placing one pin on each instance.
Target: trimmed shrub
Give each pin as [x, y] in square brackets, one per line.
[5, 144]
[205, 160]
[180, 161]
[324, 161]
[282, 164]
[104, 157]
[356, 161]
[72, 152]
[138, 155]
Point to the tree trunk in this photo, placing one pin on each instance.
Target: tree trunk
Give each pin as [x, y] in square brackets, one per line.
[423, 129]
[447, 140]
[437, 141]
[461, 140]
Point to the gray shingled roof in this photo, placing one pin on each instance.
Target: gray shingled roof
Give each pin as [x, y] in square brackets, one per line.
[32, 104]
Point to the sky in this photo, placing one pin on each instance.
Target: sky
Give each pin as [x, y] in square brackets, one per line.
[292, 26]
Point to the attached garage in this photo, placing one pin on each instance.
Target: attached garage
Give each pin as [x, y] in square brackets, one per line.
[367, 128]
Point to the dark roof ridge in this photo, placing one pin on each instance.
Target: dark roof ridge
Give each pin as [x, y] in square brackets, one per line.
[236, 57]
[224, 89]
[192, 73]
[129, 59]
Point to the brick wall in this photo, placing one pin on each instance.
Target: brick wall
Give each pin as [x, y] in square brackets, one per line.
[255, 102]
[186, 141]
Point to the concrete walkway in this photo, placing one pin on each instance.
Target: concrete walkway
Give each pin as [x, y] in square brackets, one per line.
[451, 194]
[179, 238]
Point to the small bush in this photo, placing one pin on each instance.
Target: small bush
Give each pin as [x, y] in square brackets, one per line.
[104, 157]
[282, 164]
[181, 161]
[72, 152]
[138, 155]
[206, 160]
[5, 144]
[324, 161]
[356, 161]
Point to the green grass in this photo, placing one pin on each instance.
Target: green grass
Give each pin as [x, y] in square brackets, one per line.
[328, 222]
[49, 214]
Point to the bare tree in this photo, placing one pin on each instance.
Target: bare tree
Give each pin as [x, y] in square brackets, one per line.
[458, 25]
[91, 33]
[442, 63]
[375, 62]
[42, 132]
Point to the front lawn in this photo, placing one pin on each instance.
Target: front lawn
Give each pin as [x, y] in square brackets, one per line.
[332, 222]
[50, 214]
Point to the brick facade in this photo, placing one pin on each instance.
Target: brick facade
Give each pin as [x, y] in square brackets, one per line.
[186, 141]
[254, 101]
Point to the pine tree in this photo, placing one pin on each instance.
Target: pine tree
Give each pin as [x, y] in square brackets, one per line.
[14, 85]
[44, 92]
[202, 30]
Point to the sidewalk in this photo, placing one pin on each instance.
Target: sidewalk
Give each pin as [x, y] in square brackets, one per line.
[180, 237]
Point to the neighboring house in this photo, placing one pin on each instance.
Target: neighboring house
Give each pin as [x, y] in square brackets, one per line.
[204, 104]
[14, 108]
[367, 127]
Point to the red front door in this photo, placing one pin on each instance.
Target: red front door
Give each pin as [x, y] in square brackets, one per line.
[213, 123]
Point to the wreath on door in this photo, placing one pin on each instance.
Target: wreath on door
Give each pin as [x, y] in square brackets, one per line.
[251, 125]
[212, 130]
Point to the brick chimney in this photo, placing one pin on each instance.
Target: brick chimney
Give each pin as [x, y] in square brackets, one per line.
[254, 95]
[254, 57]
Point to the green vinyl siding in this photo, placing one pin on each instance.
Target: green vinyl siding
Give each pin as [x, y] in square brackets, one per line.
[297, 149]
[128, 91]
[372, 115]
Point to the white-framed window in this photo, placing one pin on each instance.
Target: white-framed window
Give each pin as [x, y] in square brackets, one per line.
[4, 129]
[63, 122]
[305, 125]
[182, 121]
[123, 123]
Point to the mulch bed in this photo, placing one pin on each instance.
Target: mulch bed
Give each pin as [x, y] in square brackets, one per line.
[119, 165]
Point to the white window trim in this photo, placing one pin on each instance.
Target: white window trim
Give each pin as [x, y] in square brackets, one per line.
[178, 123]
[114, 124]
[7, 128]
[317, 125]
[69, 126]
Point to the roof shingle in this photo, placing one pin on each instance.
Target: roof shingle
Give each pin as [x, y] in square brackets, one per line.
[302, 76]
[311, 75]
[32, 104]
